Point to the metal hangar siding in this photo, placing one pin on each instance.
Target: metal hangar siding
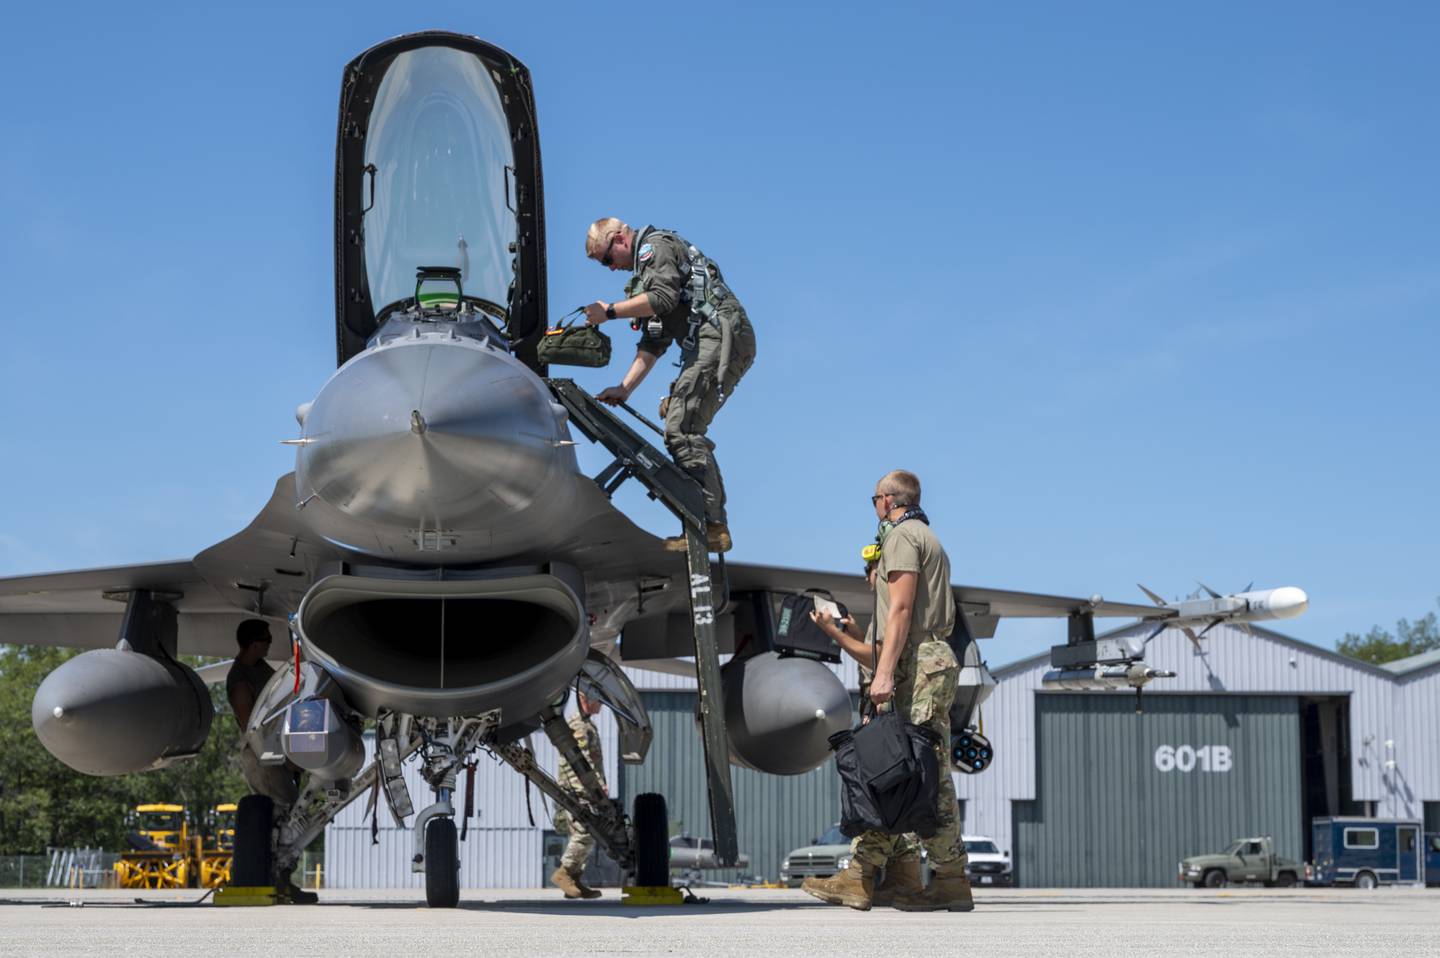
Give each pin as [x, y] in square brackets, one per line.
[1254, 735]
[1117, 806]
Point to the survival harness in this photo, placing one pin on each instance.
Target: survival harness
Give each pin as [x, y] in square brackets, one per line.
[704, 290]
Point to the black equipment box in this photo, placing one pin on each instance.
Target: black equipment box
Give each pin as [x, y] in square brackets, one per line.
[796, 634]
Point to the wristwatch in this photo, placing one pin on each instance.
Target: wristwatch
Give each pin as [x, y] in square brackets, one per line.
[610, 311]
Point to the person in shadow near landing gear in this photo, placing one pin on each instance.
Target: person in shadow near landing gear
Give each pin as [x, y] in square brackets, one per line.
[577, 852]
[676, 294]
[246, 678]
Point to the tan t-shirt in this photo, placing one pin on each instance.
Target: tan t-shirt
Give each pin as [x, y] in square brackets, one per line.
[913, 547]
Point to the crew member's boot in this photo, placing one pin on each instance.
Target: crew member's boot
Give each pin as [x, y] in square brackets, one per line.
[717, 535]
[292, 894]
[567, 883]
[585, 890]
[946, 893]
[854, 887]
[901, 878]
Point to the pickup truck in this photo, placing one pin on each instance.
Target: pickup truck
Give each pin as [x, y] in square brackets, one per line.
[1246, 860]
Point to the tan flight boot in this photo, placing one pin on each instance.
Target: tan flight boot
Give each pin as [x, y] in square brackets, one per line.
[717, 534]
[946, 893]
[901, 878]
[585, 890]
[566, 882]
[854, 887]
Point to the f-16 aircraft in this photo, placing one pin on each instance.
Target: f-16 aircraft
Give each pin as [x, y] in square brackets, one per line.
[446, 571]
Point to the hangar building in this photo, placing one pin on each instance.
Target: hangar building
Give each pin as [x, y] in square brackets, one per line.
[1256, 735]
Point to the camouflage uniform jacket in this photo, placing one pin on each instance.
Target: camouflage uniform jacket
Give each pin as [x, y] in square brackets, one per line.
[589, 738]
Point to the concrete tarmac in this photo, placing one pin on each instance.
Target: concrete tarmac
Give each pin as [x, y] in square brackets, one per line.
[1072, 923]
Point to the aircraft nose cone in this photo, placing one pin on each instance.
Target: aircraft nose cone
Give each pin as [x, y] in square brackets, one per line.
[430, 432]
[1288, 602]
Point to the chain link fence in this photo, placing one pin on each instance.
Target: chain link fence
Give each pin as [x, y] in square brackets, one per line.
[95, 868]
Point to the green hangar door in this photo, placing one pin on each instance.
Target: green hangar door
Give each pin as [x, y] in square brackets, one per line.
[1121, 797]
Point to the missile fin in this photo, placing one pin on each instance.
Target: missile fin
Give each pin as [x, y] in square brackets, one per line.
[1212, 592]
[1213, 623]
[1153, 597]
[1194, 639]
[1158, 629]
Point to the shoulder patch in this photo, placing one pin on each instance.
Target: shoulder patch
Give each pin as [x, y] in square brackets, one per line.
[647, 253]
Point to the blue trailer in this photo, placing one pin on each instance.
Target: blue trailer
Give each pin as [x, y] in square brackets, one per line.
[1432, 858]
[1367, 852]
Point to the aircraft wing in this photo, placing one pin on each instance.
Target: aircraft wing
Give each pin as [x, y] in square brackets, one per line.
[69, 609]
[262, 570]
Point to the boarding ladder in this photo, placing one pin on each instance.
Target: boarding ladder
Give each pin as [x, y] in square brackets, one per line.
[681, 494]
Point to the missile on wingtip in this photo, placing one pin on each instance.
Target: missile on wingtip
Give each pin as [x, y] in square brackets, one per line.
[1283, 603]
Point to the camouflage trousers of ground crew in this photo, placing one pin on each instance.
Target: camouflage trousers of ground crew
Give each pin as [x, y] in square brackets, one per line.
[577, 852]
[695, 398]
[924, 690]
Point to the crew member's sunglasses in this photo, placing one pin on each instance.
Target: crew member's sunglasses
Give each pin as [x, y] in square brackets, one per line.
[877, 497]
[605, 260]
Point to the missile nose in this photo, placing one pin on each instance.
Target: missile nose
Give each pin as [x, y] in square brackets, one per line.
[1288, 602]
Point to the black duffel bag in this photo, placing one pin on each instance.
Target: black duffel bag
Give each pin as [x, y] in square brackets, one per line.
[889, 777]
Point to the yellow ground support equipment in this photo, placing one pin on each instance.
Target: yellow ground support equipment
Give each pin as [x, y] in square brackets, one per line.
[218, 847]
[161, 848]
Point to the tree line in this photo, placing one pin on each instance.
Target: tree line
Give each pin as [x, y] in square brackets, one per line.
[1381, 645]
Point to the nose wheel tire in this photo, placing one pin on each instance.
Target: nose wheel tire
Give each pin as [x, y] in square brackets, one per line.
[442, 864]
[251, 862]
[652, 838]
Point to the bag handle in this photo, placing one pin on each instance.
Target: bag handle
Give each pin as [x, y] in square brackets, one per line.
[562, 324]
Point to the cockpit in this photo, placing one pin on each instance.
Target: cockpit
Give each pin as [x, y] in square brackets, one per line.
[439, 216]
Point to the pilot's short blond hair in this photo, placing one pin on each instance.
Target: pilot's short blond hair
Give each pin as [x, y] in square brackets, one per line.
[598, 236]
[904, 486]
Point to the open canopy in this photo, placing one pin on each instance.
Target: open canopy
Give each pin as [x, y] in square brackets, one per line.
[438, 165]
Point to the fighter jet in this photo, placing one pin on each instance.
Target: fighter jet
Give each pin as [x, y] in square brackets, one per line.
[446, 572]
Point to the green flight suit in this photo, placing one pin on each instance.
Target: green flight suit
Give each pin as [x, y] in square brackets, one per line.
[663, 274]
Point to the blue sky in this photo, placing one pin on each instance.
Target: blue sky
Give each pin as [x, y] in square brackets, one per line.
[1142, 294]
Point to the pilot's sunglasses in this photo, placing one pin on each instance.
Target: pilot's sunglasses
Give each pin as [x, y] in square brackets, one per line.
[877, 497]
[605, 260]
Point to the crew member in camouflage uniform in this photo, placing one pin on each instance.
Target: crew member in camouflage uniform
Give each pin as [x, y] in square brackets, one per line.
[901, 873]
[577, 852]
[913, 601]
[678, 295]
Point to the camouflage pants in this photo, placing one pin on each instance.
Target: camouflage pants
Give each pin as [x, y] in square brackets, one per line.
[694, 400]
[577, 852]
[924, 689]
